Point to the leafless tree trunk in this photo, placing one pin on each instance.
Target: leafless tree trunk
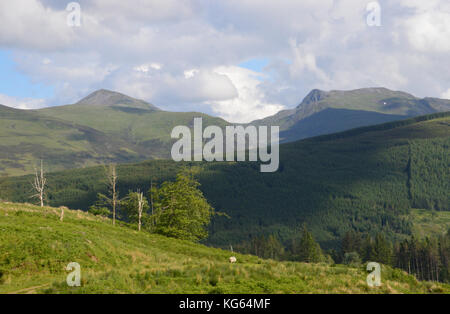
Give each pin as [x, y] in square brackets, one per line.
[39, 184]
[140, 207]
[151, 195]
[112, 180]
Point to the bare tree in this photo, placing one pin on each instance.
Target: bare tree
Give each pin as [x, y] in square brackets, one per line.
[39, 184]
[61, 217]
[112, 199]
[151, 195]
[112, 181]
[140, 208]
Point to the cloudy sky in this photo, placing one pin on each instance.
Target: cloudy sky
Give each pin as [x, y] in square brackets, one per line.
[238, 59]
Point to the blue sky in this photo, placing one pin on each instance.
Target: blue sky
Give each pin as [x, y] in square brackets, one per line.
[256, 64]
[16, 84]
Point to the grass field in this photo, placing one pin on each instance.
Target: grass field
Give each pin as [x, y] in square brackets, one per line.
[428, 223]
[35, 247]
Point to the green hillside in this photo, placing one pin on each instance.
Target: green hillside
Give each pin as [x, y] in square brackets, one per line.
[323, 112]
[147, 128]
[366, 179]
[28, 136]
[103, 127]
[36, 246]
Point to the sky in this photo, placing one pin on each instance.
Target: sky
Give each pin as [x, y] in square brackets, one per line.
[237, 59]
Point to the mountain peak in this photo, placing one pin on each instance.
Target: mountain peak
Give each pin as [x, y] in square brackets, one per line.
[315, 95]
[104, 97]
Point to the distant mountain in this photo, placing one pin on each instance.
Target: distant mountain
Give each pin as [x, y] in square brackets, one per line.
[132, 120]
[104, 97]
[27, 136]
[108, 126]
[103, 127]
[349, 109]
[331, 120]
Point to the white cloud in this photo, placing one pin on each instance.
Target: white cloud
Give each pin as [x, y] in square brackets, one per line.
[249, 104]
[190, 73]
[429, 31]
[22, 103]
[446, 94]
[184, 55]
[28, 24]
[145, 68]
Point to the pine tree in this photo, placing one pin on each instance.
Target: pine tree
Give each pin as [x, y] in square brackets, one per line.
[382, 249]
[308, 249]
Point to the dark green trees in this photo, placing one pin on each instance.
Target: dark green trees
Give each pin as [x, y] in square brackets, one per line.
[262, 246]
[428, 259]
[307, 249]
[180, 209]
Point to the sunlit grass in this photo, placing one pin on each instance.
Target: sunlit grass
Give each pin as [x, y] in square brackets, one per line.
[36, 246]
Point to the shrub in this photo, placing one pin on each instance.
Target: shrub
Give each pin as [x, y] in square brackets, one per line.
[352, 258]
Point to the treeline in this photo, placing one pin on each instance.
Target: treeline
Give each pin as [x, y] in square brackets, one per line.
[174, 209]
[428, 259]
[302, 248]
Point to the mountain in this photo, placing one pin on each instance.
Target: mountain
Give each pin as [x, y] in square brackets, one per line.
[27, 136]
[107, 126]
[129, 119]
[103, 127]
[37, 247]
[331, 120]
[104, 97]
[349, 109]
[365, 179]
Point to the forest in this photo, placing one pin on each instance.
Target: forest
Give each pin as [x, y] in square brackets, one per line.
[364, 180]
[427, 259]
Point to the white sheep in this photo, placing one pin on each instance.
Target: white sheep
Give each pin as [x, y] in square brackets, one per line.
[233, 259]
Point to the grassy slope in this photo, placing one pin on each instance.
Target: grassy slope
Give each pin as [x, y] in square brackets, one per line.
[77, 136]
[28, 136]
[355, 180]
[136, 125]
[35, 248]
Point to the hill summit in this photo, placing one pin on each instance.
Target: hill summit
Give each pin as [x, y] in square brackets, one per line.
[325, 112]
[104, 97]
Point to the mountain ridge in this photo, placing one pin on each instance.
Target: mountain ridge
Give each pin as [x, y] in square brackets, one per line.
[374, 100]
[144, 130]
